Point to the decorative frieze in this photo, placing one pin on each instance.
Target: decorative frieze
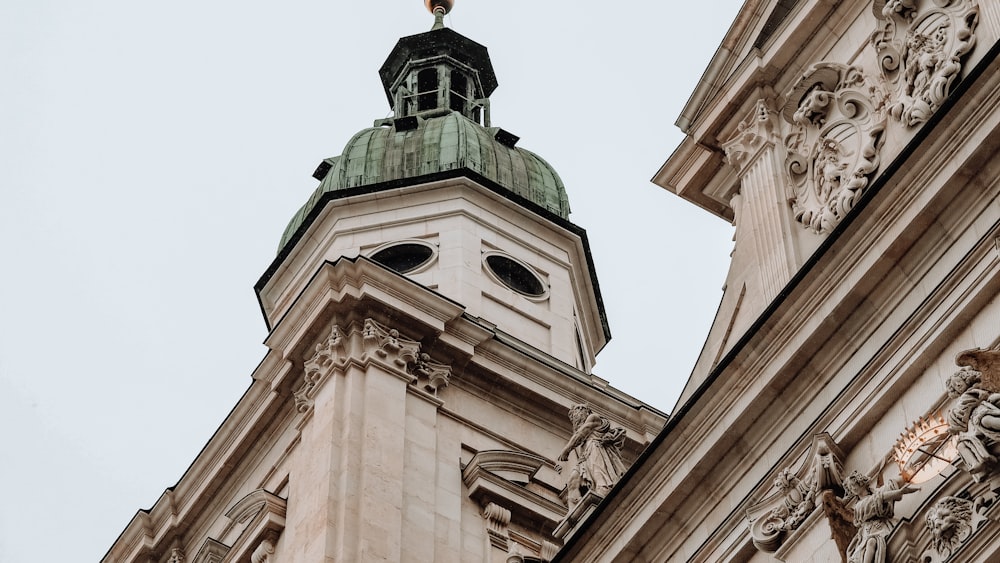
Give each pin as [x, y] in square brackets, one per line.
[387, 344]
[920, 46]
[758, 130]
[836, 125]
[431, 374]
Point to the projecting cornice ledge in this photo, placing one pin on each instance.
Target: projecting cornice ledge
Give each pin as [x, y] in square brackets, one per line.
[693, 173]
[348, 281]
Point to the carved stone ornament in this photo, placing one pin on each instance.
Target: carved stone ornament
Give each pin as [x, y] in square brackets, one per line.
[380, 342]
[176, 556]
[389, 345]
[264, 553]
[950, 523]
[837, 125]
[752, 134]
[433, 375]
[797, 495]
[318, 367]
[497, 523]
[920, 46]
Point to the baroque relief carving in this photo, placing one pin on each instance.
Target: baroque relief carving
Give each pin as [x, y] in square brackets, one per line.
[318, 367]
[378, 341]
[176, 556]
[433, 374]
[265, 551]
[389, 345]
[920, 47]
[752, 134]
[797, 496]
[837, 123]
[950, 523]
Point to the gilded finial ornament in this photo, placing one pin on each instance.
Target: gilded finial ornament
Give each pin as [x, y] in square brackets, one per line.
[439, 8]
[434, 6]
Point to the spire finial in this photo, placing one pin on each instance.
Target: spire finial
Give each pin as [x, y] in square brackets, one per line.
[439, 8]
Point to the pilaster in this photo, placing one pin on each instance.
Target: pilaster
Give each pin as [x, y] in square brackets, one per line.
[763, 213]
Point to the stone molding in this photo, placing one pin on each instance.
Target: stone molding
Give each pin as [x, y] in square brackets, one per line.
[211, 551]
[502, 474]
[798, 494]
[836, 125]
[262, 515]
[920, 47]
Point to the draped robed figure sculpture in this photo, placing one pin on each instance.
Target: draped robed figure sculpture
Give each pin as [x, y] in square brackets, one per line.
[597, 448]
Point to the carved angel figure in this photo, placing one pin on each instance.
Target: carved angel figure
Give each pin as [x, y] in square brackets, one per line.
[598, 448]
[975, 420]
[950, 522]
[872, 512]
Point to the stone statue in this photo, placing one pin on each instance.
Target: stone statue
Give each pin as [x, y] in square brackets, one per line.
[597, 447]
[975, 420]
[872, 512]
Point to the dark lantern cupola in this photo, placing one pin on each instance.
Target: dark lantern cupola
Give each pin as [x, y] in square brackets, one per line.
[439, 69]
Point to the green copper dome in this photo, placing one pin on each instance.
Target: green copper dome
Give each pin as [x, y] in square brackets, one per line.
[420, 146]
[438, 84]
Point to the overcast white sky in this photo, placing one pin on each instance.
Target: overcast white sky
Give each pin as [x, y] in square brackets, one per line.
[151, 154]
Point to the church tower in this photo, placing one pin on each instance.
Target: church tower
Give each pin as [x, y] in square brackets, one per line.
[433, 317]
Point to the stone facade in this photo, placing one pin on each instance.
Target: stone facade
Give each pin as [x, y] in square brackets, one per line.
[854, 145]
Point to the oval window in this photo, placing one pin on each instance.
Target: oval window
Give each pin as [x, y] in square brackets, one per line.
[404, 257]
[515, 275]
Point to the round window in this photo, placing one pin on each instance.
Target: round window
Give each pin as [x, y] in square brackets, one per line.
[515, 275]
[404, 257]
